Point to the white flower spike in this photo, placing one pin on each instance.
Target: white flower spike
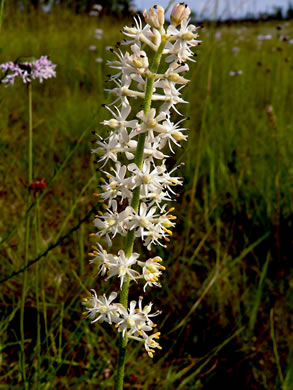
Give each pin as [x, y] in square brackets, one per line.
[136, 187]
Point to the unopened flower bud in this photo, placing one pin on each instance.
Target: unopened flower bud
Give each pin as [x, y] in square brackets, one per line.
[155, 16]
[180, 13]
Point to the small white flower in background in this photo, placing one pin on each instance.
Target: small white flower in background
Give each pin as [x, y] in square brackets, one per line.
[97, 7]
[133, 9]
[150, 181]
[218, 36]
[290, 42]
[235, 50]
[235, 73]
[92, 47]
[98, 33]
[99, 60]
[266, 37]
[93, 13]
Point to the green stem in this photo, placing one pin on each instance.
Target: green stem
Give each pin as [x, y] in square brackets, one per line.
[38, 247]
[1, 12]
[135, 205]
[27, 231]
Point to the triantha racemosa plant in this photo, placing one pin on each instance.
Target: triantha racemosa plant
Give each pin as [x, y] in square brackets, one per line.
[138, 186]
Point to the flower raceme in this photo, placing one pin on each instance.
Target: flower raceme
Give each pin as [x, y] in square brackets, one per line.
[135, 189]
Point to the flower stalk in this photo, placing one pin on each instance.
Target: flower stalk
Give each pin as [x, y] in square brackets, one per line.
[135, 204]
[27, 227]
[134, 196]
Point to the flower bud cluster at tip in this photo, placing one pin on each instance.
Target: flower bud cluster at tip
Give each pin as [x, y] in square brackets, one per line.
[151, 221]
[40, 69]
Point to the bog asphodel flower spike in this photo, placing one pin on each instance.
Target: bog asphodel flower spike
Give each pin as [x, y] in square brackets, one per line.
[134, 191]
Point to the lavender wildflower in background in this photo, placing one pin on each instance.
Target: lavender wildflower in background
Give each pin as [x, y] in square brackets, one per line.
[40, 69]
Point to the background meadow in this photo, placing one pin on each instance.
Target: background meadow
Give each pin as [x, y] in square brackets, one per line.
[227, 295]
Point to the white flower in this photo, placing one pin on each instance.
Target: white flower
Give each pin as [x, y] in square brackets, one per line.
[138, 60]
[100, 309]
[123, 65]
[150, 343]
[146, 311]
[185, 38]
[131, 319]
[121, 266]
[171, 132]
[151, 271]
[142, 221]
[111, 223]
[148, 179]
[123, 92]
[118, 186]
[120, 117]
[101, 257]
[139, 34]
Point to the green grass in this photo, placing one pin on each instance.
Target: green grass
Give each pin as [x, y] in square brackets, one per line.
[227, 292]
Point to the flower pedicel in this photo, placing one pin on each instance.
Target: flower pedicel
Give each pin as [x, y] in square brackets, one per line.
[138, 185]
